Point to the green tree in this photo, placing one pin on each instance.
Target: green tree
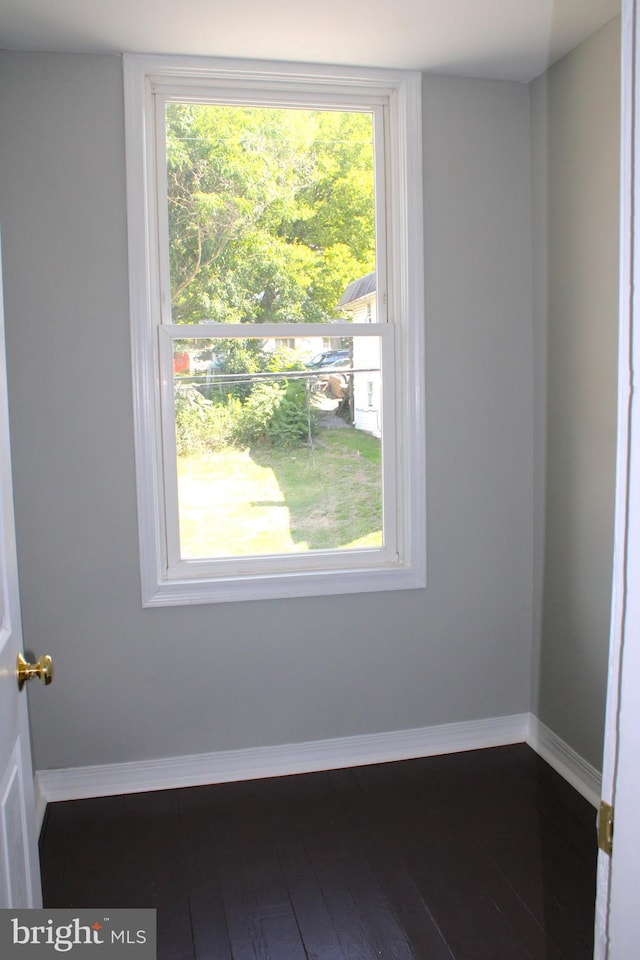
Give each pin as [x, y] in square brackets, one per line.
[271, 211]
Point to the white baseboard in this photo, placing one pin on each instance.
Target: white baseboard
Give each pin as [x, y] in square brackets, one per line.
[255, 763]
[565, 761]
[104, 780]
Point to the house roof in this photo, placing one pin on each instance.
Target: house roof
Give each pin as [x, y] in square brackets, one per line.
[358, 289]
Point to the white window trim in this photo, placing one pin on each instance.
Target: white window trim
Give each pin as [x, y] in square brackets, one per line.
[401, 90]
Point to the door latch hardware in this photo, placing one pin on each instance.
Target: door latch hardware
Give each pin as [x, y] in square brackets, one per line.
[605, 827]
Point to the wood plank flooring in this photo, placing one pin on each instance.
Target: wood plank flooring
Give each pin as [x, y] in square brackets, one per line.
[487, 855]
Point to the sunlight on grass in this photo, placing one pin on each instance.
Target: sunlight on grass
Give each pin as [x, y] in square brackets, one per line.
[230, 506]
[267, 501]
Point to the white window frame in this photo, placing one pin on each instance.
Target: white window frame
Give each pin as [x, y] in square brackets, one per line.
[400, 267]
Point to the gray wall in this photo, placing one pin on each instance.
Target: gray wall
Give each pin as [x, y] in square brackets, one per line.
[575, 149]
[134, 683]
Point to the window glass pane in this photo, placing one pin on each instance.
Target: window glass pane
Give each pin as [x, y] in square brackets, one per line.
[271, 211]
[278, 445]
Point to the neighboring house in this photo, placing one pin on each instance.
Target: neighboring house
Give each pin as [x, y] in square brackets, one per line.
[359, 300]
[300, 347]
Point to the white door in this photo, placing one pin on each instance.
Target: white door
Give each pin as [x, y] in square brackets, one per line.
[617, 913]
[19, 868]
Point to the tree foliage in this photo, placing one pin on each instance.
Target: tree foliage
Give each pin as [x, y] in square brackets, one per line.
[271, 211]
[274, 414]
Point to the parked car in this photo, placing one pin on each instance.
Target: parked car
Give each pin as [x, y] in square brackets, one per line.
[328, 358]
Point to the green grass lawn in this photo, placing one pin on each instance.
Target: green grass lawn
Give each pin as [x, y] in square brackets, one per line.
[264, 501]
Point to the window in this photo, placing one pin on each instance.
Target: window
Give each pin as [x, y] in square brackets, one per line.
[276, 277]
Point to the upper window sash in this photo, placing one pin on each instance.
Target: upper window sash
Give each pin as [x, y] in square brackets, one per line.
[160, 96]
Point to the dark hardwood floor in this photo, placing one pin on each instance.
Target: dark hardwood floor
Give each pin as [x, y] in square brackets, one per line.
[487, 855]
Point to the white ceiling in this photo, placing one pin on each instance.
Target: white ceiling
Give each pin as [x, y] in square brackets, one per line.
[505, 39]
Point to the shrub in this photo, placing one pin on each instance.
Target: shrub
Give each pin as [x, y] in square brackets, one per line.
[293, 420]
[258, 411]
[276, 413]
[202, 425]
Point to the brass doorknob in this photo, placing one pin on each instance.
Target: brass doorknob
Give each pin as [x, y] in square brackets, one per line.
[43, 670]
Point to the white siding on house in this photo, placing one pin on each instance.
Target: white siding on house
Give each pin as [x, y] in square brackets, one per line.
[367, 385]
